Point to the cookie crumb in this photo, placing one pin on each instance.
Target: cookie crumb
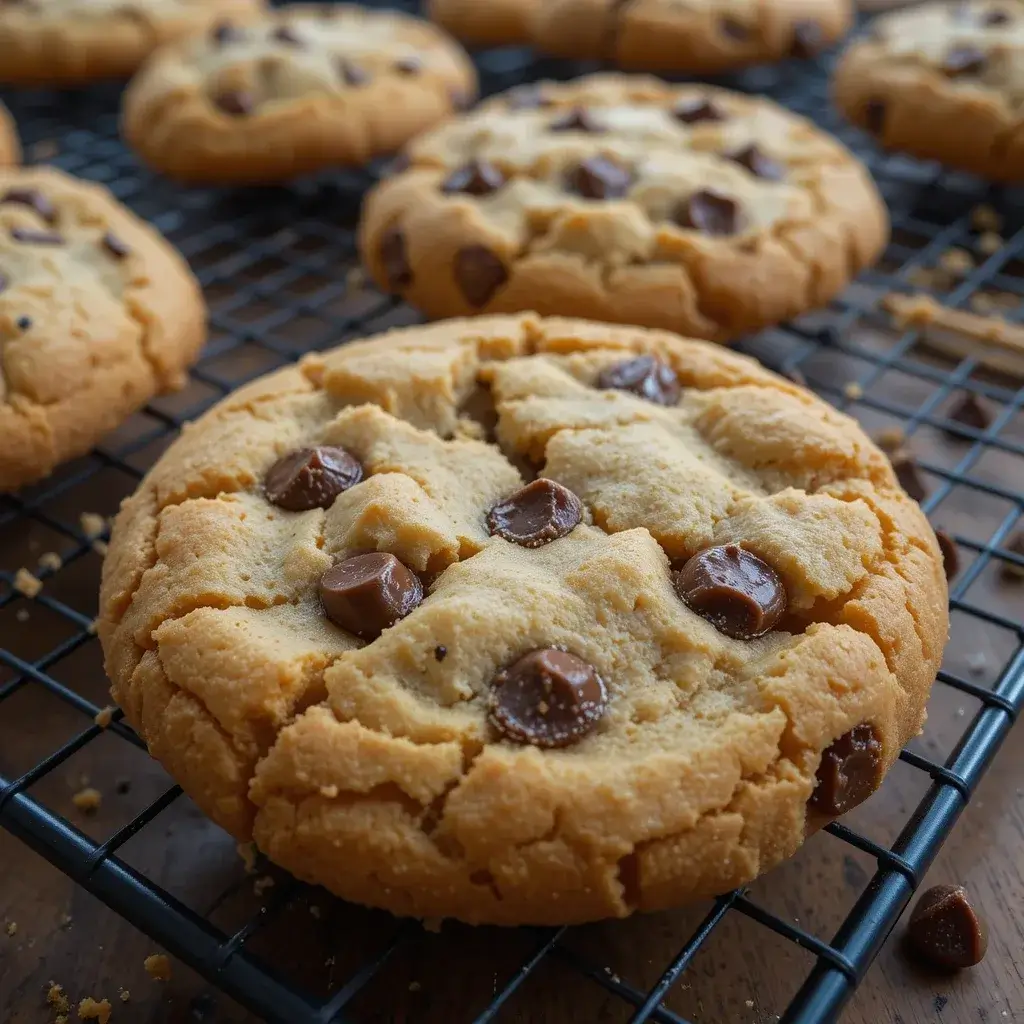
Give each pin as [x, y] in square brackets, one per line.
[158, 967]
[105, 716]
[414, 986]
[124, 995]
[985, 218]
[976, 663]
[88, 800]
[853, 390]
[61, 1018]
[749, 1003]
[261, 885]
[93, 525]
[890, 439]
[314, 911]
[93, 627]
[12, 929]
[957, 262]
[247, 851]
[56, 998]
[27, 584]
[50, 560]
[355, 279]
[66, 920]
[981, 302]
[89, 1009]
[330, 791]
[990, 242]
[22, 615]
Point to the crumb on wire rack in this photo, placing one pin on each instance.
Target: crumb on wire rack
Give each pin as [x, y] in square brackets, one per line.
[158, 966]
[90, 1009]
[88, 800]
[27, 584]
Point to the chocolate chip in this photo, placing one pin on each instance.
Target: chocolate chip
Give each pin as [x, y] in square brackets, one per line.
[479, 273]
[739, 594]
[1011, 571]
[118, 249]
[536, 514]
[234, 102]
[123, 786]
[548, 698]
[644, 376]
[575, 120]
[950, 553]
[599, 178]
[528, 97]
[311, 477]
[287, 35]
[905, 467]
[850, 771]
[477, 178]
[23, 323]
[32, 237]
[995, 17]
[808, 39]
[225, 33]
[710, 212]
[36, 200]
[366, 594]
[692, 111]
[945, 929]
[734, 29]
[963, 60]
[755, 160]
[395, 259]
[352, 74]
[874, 116]
[970, 411]
[408, 65]
[440, 652]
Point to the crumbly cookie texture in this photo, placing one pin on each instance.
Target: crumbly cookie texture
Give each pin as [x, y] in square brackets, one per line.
[622, 199]
[495, 23]
[698, 36]
[97, 314]
[943, 81]
[10, 149]
[707, 627]
[67, 42]
[306, 87]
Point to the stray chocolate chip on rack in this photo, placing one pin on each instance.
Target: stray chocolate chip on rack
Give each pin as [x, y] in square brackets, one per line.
[548, 698]
[905, 467]
[850, 771]
[1010, 571]
[537, 514]
[311, 478]
[950, 553]
[643, 376]
[366, 594]
[738, 593]
[945, 930]
[971, 412]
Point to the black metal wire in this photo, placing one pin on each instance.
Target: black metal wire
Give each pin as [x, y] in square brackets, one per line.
[306, 232]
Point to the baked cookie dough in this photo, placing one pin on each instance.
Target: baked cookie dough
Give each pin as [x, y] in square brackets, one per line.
[942, 81]
[523, 620]
[10, 150]
[66, 42]
[628, 200]
[97, 314]
[309, 86]
[491, 23]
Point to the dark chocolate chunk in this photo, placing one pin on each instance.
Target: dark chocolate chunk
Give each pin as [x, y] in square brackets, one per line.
[395, 259]
[695, 110]
[366, 594]
[528, 97]
[950, 553]
[235, 102]
[32, 237]
[479, 273]
[971, 412]
[964, 60]
[850, 771]
[1011, 571]
[645, 376]
[477, 178]
[945, 929]
[905, 467]
[287, 35]
[710, 212]
[440, 652]
[548, 698]
[537, 514]
[808, 39]
[758, 162]
[34, 199]
[23, 323]
[874, 116]
[224, 33]
[597, 177]
[352, 74]
[575, 120]
[118, 249]
[411, 65]
[734, 29]
[311, 477]
[995, 17]
[739, 594]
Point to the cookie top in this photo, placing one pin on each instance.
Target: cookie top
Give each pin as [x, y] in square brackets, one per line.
[513, 619]
[495, 23]
[97, 314]
[307, 87]
[922, 69]
[697, 36]
[625, 199]
[63, 42]
[10, 150]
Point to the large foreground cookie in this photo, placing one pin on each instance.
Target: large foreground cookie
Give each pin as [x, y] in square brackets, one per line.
[494, 23]
[97, 314]
[308, 87]
[942, 81]
[10, 150]
[683, 35]
[628, 200]
[352, 630]
[64, 42]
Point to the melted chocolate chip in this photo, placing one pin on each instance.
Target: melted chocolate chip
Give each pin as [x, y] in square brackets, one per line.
[225, 33]
[234, 102]
[734, 29]
[599, 178]
[905, 467]
[710, 212]
[479, 273]
[311, 477]
[740, 595]
[408, 65]
[352, 74]
[964, 60]
[758, 162]
[537, 514]
[32, 237]
[117, 248]
[529, 97]
[395, 259]
[644, 376]
[808, 39]
[850, 771]
[548, 698]
[874, 116]
[945, 929]
[477, 178]
[23, 323]
[695, 110]
[970, 411]
[575, 120]
[440, 652]
[950, 553]
[366, 594]
[31, 198]
[287, 35]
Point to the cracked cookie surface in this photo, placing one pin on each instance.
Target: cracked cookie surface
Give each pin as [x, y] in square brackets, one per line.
[942, 81]
[706, 627]
[306, 87]
[97, 314]
[66, 42]
[10, 149]
[628, 200]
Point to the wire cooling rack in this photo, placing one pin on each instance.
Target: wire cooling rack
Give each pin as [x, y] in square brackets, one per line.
[278, 268]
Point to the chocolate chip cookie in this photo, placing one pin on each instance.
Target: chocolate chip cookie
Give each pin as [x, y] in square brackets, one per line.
[523, 620]
[942, 81]
[495, 23]
[97, 314]
[10, 150]
[67, 42]
[628, 200]
[307, 87]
